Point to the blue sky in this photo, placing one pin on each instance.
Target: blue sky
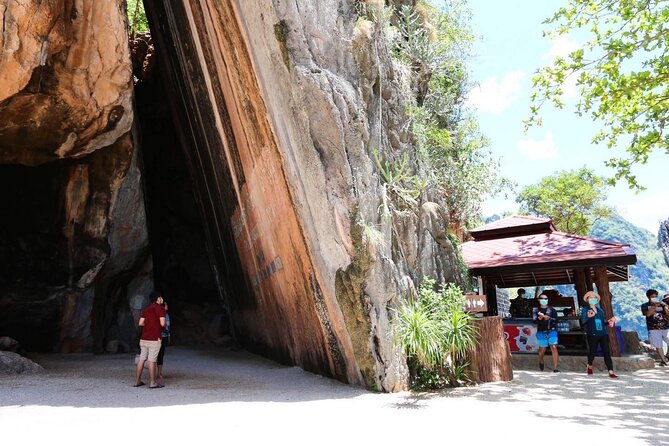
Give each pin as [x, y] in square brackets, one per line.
[509, 49]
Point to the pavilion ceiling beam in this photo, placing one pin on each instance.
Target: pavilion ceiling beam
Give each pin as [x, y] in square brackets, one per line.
[617, 272]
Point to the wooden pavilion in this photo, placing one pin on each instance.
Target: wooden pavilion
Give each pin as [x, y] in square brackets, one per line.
[521, 251]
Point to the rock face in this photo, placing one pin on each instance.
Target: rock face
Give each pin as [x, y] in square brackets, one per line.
[12, 363]
[65, 81]
[75, 248]
[663, 239]
[286, 103]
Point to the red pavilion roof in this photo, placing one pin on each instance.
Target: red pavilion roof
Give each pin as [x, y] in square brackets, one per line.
[531, 245]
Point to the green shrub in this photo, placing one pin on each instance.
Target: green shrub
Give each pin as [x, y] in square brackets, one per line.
[437, 336]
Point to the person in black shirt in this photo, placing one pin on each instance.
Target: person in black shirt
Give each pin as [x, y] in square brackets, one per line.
[657, 322]
[545, 318]
[519, 306]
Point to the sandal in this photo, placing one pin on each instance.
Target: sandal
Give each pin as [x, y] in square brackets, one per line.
[139, 385]
[157, 386]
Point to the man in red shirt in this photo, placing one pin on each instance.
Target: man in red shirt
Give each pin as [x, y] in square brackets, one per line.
[152, 322]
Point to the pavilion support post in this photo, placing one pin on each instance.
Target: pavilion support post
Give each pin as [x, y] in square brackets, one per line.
[588, 279]
[602, 283]
[580, 283]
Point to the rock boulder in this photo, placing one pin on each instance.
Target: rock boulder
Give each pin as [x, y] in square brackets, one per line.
[12, 363]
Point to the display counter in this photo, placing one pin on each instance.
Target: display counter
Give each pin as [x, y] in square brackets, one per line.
[521, 335]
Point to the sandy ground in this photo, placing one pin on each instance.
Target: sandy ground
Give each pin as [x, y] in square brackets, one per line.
[216, 396]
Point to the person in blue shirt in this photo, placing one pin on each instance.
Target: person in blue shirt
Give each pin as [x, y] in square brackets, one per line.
[545, 318]
[595, 322]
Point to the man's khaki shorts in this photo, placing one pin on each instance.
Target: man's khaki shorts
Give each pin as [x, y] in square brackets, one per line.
[655, 337]
[149, 350]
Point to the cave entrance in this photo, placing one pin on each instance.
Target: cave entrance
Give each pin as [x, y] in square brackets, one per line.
[188, 189]
[181, 264]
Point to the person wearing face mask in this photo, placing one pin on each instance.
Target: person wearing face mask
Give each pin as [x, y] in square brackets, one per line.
[594, 320]
[657, 322]
[545, 318]
[520, 306]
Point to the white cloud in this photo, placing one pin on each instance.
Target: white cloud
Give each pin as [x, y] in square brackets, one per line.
[539, 149]
[495, 96]
[561, 47]
[646, 210]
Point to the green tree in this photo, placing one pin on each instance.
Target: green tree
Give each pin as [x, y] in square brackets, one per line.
[573, 199]
[137, 21]
[622, 74]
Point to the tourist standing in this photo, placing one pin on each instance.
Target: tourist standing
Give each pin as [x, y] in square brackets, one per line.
[152, 321]
[519, 306]
[594, 320]
[657, 322]
[545, 318]
[165, 338]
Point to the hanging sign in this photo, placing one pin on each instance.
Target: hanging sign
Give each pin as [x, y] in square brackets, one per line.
[476, 303]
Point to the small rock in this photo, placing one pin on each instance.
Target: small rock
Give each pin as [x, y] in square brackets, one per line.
[8, 344]
[12, 363]
[112, 346]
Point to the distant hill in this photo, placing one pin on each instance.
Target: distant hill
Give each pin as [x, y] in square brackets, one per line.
[651, 270]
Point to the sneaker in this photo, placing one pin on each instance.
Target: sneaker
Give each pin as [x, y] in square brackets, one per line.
[541, 366]
[612, 375]
[663, 364]
[556, 370]
[589, 370]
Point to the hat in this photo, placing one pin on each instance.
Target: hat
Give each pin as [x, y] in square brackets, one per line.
[590, 294]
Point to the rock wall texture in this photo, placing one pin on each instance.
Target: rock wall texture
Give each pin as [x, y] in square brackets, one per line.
[286, 103]
[663, 239]
[65, 80]
[74, 250]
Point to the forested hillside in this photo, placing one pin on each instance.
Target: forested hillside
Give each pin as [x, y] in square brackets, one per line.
[651, 270]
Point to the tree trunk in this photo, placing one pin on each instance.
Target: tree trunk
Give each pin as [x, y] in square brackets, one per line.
[491, 359]
[602, 282]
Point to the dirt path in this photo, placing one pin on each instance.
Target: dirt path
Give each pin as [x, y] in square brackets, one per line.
[216, 396]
